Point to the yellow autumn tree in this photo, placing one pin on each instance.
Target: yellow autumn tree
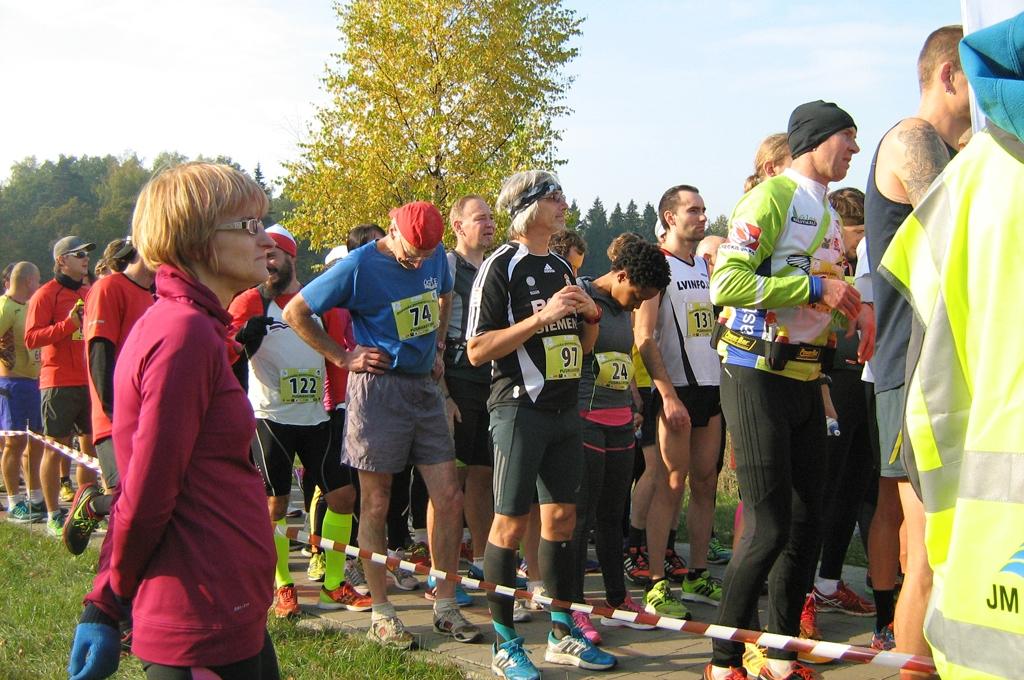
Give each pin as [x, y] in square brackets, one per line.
[431, 100]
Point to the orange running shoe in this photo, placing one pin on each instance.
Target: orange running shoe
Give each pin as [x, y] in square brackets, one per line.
[286, 602]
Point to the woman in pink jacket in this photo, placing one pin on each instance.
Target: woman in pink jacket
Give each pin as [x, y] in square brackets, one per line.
[190, 547]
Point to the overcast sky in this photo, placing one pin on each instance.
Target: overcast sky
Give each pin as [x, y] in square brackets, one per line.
[665, 93]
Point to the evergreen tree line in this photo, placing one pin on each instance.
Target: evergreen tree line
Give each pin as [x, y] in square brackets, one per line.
[599, 228]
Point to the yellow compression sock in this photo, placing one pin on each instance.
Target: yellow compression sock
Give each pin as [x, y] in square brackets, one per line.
[282, 573]
[338, 528]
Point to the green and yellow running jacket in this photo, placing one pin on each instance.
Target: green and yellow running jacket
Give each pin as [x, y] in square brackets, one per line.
[784, 237]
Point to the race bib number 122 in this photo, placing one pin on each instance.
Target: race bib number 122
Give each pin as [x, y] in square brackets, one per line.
[301, 385]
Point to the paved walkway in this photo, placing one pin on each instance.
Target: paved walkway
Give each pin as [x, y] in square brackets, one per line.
[642, 654]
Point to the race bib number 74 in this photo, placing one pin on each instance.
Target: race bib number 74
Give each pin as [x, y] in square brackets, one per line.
[416, 315]
[563, 357]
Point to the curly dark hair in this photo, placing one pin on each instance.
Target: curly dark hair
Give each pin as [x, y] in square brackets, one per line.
[643, 262]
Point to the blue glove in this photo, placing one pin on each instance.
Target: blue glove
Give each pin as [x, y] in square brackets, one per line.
[832, 425]
[95, 652]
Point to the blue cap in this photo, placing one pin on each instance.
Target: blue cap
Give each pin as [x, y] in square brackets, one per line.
[992, 61]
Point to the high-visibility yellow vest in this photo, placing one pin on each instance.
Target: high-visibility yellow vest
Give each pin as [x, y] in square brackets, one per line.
[959, 260]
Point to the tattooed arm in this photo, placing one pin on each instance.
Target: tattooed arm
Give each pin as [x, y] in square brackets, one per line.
[924, 156]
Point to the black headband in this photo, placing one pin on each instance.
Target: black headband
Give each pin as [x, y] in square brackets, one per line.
[531, 196]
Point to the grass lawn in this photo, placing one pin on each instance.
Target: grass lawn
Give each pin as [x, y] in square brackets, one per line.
[42, 589]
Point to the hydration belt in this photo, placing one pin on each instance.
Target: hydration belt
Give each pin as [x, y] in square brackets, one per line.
[776, 354]
[454, 352]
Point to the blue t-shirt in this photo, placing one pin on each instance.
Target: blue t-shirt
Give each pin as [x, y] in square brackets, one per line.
[393, 308]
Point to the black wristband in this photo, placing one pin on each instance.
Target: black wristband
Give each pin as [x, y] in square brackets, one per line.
[93, 614]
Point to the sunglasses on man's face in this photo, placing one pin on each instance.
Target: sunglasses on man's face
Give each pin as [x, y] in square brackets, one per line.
[79, 254]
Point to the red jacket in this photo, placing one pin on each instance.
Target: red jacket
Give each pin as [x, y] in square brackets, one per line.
[190, 540]
[48, 327]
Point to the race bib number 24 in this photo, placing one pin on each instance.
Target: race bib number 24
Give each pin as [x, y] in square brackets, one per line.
[615, 370]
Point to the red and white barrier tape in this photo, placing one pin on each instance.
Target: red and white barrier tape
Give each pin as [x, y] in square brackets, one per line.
[831, 650]
[52, 443]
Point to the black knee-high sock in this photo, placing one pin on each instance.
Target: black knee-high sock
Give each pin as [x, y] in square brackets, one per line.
[636, 537]
[558, 565]
[671, 541]
[500, 567]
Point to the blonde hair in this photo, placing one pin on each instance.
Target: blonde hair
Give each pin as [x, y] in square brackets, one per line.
[774, 149]
[179, 209]
[513, 188]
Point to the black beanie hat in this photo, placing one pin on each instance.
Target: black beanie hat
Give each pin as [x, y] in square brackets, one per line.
[812, 123]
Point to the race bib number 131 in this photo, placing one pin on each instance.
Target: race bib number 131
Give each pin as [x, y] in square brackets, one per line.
[417, 315]
[700, 319]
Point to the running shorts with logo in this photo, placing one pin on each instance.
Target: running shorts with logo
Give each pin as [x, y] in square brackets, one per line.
[65, 411]
[19, 404]
[538, 457]
[276, 444]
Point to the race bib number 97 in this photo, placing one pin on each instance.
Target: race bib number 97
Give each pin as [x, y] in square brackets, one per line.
[563, 356]
[301, 385]
[417, 315]
[700, 319]
[615, 370]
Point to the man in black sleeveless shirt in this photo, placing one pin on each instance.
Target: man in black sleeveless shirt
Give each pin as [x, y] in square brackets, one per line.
[469, 386]
[908, 159]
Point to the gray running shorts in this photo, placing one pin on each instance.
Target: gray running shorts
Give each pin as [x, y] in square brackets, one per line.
[889, 411]
[394, 420]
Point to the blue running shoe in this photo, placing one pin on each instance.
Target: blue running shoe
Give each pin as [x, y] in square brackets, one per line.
[478, 573]
[511, 662]
[462, 598]
[576, 650]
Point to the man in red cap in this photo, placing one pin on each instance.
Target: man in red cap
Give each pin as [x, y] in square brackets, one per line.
[398, 291]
